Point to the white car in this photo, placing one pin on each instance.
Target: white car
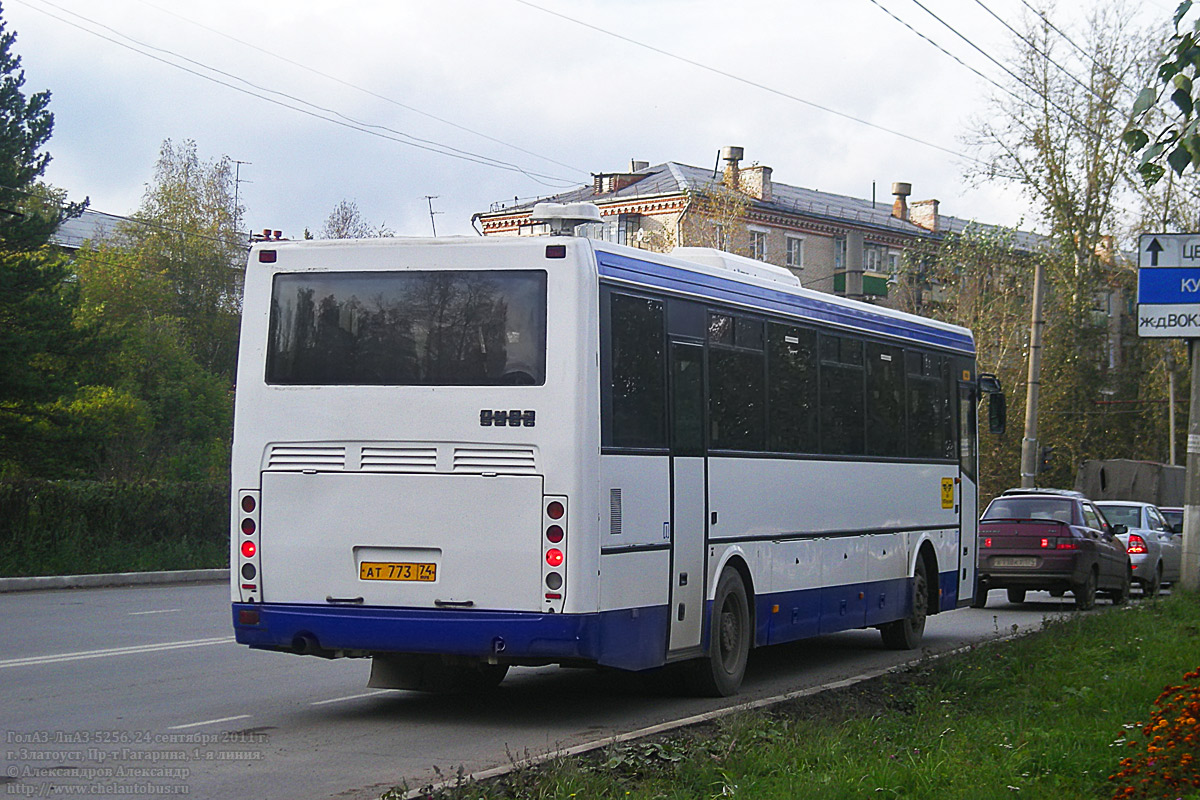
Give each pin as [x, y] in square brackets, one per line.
[1155, 550]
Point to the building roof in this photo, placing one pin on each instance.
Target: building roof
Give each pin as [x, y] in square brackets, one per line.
[673, 178]
[89, 226]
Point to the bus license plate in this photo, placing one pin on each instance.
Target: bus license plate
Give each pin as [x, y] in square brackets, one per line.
[388, 571]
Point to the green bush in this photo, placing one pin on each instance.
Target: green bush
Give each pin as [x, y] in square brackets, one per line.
[82, 527]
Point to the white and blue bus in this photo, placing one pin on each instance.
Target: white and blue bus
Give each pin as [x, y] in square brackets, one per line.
[457, 455]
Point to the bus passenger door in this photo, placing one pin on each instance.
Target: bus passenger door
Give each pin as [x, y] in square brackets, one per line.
[689, 506]
[968, 487]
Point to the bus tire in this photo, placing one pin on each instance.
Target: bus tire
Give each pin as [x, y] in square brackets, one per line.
[905, 634]
[719, 674]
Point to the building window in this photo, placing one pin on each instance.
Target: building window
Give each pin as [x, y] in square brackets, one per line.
[628, 226]
[758, 245]
[795, 252]
[839, 254]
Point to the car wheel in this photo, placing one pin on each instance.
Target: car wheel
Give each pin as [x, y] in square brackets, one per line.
[720, 673]
[1121, 594]
[905, 634]
[1152, 587]
[1085, 593]
[1016, 595]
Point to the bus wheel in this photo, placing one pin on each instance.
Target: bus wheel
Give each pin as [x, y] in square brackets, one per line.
[720, 673]
[905, 634]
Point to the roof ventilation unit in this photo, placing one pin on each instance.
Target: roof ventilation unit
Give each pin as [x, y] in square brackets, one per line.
[562, 218]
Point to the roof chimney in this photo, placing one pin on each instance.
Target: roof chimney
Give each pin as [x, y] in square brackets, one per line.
[731, 155]
[925, 214]
[900, 206]
[638, 166]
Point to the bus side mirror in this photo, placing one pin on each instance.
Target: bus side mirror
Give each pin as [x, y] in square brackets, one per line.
[997, 413]
[989, 384]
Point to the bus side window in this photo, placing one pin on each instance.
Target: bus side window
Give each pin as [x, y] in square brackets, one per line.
[737, 399]
[885, 400]
[639, 396]
[792, 382]
[842, 396]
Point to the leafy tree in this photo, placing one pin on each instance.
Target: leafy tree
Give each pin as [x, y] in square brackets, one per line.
[1053, 134]
[184, 410]
[29, 212]
[716, 217]
[1175, 98]
[39, 343]
[346, 222]
[185, 232]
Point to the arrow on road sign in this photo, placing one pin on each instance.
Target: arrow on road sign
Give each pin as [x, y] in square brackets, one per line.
[1154, 249]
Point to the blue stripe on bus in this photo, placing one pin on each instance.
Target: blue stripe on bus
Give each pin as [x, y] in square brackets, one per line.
[716, 287]
[630, 638]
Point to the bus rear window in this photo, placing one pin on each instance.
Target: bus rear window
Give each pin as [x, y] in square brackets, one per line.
[411, 328]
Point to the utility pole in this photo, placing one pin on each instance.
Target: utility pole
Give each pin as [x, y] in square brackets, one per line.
[1191, 503]
[1171, 400]
[237, 184]
[1029, 449]
[429, 198]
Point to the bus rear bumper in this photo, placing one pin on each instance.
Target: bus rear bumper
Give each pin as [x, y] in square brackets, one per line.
[631, 639]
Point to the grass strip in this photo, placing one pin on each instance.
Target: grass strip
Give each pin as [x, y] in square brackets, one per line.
[1049, 715]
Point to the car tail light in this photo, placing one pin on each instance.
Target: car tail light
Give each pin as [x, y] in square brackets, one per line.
[987, 542]
[555, 533]
[247, 572]
[1136, 544]
[1059, 543]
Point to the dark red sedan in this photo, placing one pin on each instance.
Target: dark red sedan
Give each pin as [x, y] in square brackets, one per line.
[1053, 541]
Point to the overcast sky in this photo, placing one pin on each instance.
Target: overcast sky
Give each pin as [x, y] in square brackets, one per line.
[480, 101]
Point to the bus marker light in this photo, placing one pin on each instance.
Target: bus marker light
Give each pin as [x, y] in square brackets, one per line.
[248, 549]
[555, 510]
[248, 504]
[554, 557]
[248, 526]
[554, 533]
[556, 251]
[267, 256]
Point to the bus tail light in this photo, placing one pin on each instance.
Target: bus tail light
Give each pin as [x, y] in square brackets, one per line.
[246, 563]
[554, 552]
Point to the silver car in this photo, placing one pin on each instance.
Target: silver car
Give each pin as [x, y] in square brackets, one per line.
[1155, 550]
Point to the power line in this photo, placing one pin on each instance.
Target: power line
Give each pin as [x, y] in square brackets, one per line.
[916, 32]
[1012, 74]
[748, 82]
[362, 89]
[320, 112]
[1045, 55]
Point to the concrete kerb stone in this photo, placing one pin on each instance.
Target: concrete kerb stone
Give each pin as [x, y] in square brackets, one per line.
[49, 582]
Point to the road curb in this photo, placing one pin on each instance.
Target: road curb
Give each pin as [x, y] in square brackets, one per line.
[50, 582]
[683, 722]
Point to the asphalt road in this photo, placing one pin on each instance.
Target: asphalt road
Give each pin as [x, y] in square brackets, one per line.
[144, 687]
